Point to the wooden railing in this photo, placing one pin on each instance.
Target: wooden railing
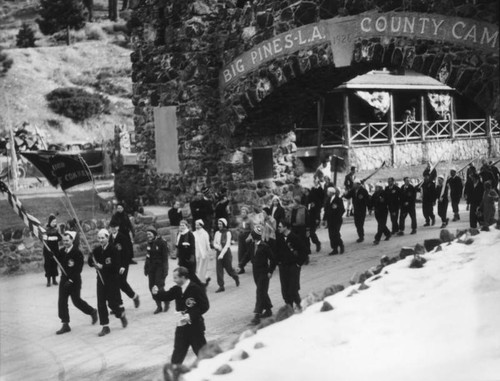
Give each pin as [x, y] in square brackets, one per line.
[379, 133]
[370, 133]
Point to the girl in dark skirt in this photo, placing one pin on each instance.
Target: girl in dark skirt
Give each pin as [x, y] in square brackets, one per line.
[51, 239]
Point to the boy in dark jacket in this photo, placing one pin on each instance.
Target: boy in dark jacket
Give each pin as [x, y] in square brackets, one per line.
[156, 264]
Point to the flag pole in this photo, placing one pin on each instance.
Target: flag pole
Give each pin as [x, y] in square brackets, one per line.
[81, 230]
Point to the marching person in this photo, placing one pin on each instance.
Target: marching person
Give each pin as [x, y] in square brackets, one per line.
[442, 200]
[456, 189]
[469, 184]
[71, 283]
[277, 211]
[475, 199]
[263, 265]
[334, 210]
[315, 203]
[431, 173]
[348, 185]
[269, 228]
[191, 303]
[51, 239]
[428, 189]
[106, 260]
[244, 228]
[201, 209]
[360, 203]
[119, 242]
[392, 192]
[290, 255]
[156, 264]
[223, 256]
[407, 207]
[222, 208]
[299, 222]
[175, 218]
[202, 243]
[126, 228]
[379, 203]
[186, 251]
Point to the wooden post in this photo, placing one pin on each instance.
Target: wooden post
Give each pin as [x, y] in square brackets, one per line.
[489, 136]
[392, 139]
[347, 121]
[320, 113]
[13, 160]
[422, 117]
[452, 117]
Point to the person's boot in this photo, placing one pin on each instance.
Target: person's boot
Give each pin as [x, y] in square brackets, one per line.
[54, 281]
[207, 282]
[267, 313]
[241, 270]
[93, 315]
[360, 239]
[158, 308]
[255, 320]
[65, 328]
[237, 280]
[48, 282]
[433, 221]
[455, 217]
[220, 289]
[105, 330]
[166, 306]
[388, 237]
[342, 249]
[376, 242]
[124, 320]
[427, 223]
[413, 231]
[136, 300]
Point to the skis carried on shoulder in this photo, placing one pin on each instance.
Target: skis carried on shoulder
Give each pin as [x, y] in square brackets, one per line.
[373, 173]
[466, 165]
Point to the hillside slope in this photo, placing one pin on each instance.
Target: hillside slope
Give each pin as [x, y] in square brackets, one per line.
[94, 65]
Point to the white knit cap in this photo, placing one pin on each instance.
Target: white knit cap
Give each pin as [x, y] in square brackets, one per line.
[72, 234]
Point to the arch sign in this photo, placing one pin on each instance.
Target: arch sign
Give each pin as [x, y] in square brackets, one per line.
[341, 32]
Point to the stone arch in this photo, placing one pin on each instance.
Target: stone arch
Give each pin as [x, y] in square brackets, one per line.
[464, 56]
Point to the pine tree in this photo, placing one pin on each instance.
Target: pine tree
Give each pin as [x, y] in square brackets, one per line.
[25, 37]
[57, 15]
[5, 62]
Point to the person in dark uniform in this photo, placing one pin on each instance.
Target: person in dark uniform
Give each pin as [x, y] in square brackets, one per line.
[106, 259]
[432, 173]
[71, 283]
[456, 189]
[496, 175]
[156, 264]
[475, 198]
[186, 251]
[486, 173]
[299, 221]
[407, 207]
[119, 242]
[349, 184]
[175, 218]
[126, 228]
[290, 255]
[334, 210]
[51, 240]
[191, 302]
[392, 192]
[221, 209]
[379, 204]
[223, 256]
[202, 209]
[245, 226]
[360, 203]
[315, 202]
[469, 184]
[428, 189]
[263, 265]
[442, 200]
[277, 211]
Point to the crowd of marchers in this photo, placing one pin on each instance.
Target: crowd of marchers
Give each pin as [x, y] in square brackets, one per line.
[272, 237]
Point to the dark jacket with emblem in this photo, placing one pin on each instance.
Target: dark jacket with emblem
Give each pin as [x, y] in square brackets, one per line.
[186, 249]
[193, 301]
[334, 210]
[72, 263]
[360, 200]
[109, 258]
[120, 242]
[393, 193]
[290, 250]
[262, 257]
[408, 196]
[379, 204]
[156, 256]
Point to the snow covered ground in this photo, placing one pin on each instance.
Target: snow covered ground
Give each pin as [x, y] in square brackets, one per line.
[440, 322]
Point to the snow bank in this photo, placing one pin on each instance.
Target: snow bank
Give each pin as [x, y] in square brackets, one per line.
[439, 322]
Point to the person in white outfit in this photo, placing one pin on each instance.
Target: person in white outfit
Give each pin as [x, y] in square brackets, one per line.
[202, 244]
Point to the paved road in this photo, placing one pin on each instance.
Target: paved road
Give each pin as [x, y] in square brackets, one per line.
[30, 350]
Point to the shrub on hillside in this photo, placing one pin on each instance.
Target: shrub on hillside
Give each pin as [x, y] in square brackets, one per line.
[5, 62]
[26, 37]
[76, 103]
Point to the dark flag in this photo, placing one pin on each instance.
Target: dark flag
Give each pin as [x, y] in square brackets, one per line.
[66, 170]
[41, 160]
